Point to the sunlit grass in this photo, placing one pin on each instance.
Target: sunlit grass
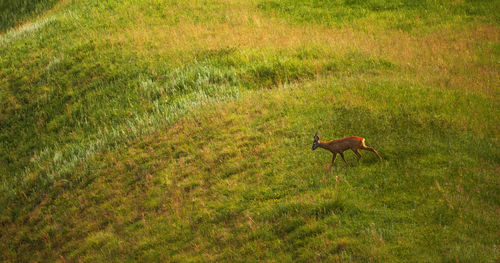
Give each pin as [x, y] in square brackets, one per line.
[15, 12]
[239, 179]
[146, 130]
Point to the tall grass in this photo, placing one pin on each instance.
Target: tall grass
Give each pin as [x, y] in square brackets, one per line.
[160, 130]
[400, 15]
[238, 179]
[15, 12]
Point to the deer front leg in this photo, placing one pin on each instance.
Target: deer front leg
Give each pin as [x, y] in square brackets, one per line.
[333, 160]
[342, 155]
[356, 151]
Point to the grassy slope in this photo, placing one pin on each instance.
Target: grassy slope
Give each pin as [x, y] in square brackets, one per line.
[15, 12]
[90, 98]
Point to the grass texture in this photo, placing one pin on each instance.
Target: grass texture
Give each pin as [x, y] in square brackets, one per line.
[15, 12]
[160, 130]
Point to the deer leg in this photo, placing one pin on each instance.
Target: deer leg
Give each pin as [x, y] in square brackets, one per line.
[333, 160]
[342, 155]
[372, 150]
[356, 151]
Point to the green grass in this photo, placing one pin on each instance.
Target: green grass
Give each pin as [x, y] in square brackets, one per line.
[403, 15]
[15, 12]
[181, 131]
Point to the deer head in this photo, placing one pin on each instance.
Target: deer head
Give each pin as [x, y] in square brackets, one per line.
[315, 142]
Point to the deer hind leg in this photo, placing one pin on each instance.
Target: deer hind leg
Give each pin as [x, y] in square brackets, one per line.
[343, 158]
[371, 150]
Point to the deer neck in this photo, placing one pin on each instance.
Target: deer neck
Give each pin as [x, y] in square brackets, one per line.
[323, 145]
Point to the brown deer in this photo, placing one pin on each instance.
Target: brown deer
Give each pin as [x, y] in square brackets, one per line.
[354, 143]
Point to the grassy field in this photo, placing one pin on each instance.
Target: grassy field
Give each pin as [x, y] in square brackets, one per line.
[161, 130]
[15, 12]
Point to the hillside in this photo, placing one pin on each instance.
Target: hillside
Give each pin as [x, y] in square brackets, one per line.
[158, 130]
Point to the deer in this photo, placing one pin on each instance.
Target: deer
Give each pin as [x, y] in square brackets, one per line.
[338, 146]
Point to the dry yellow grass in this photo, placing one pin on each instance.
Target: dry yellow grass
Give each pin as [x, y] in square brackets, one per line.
[439, 58]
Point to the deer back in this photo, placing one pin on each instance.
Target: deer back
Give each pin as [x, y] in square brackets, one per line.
[343, 144]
